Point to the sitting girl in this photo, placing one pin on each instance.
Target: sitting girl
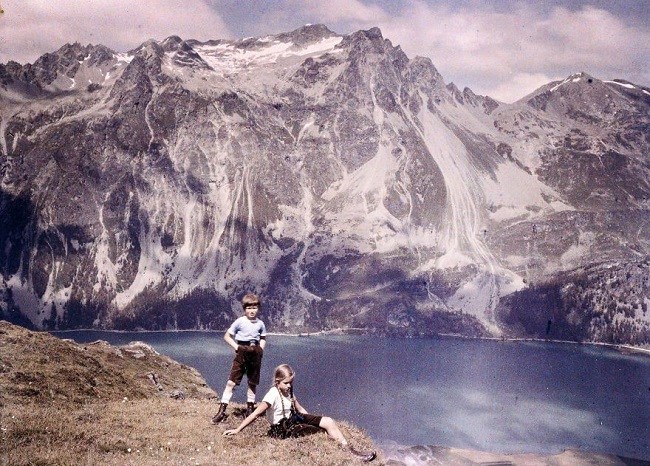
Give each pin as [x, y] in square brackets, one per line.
[280, 398]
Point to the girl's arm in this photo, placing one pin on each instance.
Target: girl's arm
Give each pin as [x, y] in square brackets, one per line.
[299, 407]
[263, 406]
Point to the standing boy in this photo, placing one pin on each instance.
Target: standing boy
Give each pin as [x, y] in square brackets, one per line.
[247, 336]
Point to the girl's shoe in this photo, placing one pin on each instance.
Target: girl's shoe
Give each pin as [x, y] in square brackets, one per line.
[365, 456]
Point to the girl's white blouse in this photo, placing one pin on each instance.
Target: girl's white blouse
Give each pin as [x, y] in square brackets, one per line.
[273, 397]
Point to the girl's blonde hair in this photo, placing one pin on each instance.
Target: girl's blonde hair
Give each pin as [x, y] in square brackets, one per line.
[283, 371]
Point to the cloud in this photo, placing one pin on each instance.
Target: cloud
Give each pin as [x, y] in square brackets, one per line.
[351, 11]
[496, 51]
[505, 54]
[517, 85]
[30, 28]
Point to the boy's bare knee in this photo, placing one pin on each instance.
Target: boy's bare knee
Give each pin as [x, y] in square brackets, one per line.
[231, 384]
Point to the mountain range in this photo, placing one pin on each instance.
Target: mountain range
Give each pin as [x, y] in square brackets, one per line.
[343, 181]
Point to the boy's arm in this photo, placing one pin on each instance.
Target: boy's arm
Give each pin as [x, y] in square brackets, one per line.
[261, 408]
[263, 336]
[230, 340]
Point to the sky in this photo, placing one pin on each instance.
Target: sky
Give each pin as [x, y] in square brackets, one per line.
[501, 48]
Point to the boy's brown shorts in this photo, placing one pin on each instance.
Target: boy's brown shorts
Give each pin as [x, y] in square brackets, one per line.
[248, 360]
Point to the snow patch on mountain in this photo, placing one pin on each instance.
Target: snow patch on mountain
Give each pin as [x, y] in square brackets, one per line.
[574, 78]
[622, 84]
[628, 85]
[3, 137]
[228, 58]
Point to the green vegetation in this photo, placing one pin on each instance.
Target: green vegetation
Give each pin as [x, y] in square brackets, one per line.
[607, 303]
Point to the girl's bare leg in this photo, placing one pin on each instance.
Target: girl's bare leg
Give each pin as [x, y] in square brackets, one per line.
[333, 430]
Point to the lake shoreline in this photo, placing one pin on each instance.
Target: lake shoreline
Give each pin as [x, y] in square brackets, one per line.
[622, 348]
[402, 455]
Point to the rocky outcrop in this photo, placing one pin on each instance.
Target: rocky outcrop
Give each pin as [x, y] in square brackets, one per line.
[40, 368]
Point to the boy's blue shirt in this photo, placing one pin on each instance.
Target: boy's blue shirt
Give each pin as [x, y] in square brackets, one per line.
[244, 329]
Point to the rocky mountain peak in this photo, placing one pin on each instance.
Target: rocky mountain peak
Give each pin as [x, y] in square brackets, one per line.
[487, 103]
[467, 97]
[326, 172]
[422, 70]
[306, 34]
[367, 41]
[99, 55]
[151, 48]
[74, 51]
[64, 63]
[573, 90]
[580, 75]
[591, 101]
[171, 43]
[68, 54]
[14, 72]
[372, 34]
[183, 53]
[458, 95]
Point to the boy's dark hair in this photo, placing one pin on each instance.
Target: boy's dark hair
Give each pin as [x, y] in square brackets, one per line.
[250, 298]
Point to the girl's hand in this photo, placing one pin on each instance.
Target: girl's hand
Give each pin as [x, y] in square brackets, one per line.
[230, 432]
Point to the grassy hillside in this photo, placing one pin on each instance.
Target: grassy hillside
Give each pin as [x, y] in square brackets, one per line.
[67, 404]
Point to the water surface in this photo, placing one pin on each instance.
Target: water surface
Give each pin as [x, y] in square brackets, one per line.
[498, 396]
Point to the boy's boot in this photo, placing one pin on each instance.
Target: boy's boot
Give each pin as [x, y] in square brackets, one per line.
[365, 456]
[221, 414]
[250, 407]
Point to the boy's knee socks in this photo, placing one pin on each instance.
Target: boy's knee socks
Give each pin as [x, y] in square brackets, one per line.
[250, 395]
[227, 394]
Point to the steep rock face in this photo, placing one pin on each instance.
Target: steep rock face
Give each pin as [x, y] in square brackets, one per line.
[341, 180]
